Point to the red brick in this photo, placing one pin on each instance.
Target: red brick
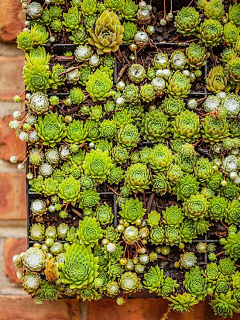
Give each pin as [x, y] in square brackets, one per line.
[147, 309]
[23, 308]
[11, 19]
[12, 196]
[9, 143]
[11, 81]
[13, 246]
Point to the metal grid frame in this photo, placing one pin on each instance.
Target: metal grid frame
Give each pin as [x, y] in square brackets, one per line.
[60, 48]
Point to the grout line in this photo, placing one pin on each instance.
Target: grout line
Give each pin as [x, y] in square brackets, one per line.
[84, 310]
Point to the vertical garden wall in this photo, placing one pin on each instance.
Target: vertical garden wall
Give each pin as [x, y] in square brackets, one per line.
[131, 119]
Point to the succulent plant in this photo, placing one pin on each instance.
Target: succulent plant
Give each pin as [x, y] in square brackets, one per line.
[72, 19]
[129, 10]
[104, 214]
[89, 7]
[128, 136]
[228, 54]
[187, 21]
[210, 32]
[195, 283]
[231, 104]
[173, 106]
[129, 282]
[216, 80]
[196, 55]
[31, 282]
[182, 302]
[224, 305]
[76, 132]
[160, 184]
[232, 68]
[137, 177]
[108, 33]
[37, 232]
[50, 129]
[130, 30]
[178, 85]
[136, 73]
[188, 260]
[232, 212]
[217, 207]
[173, 216]
[160, 61]
[232, 247]
[50, 186]
[47, 291]
[69, 190]
[153, 280]
[203, 169]
[36, 77]
[38, 103]
[25, 40]
[155, 126]
[178, 60]
[80, 266]
[157, 235]
[34, 259]
[160, 158]
[132, 210]
[214, 129]
[97, 164]
[131, 93]
[89, 231]
[153, 218]
[233, 13]
[214, 9]
[196, 207]
[230, 33]
[39, 34]
[114, 5]
[147, 93]
[88, 199]
[99, 85]
[186, 186]
[186, 126]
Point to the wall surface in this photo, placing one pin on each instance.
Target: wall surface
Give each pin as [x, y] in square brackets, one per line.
[14, 303]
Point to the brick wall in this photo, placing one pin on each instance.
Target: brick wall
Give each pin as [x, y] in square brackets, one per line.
[14, 303]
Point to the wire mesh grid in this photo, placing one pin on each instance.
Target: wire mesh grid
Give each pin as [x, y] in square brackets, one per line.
[59, 49]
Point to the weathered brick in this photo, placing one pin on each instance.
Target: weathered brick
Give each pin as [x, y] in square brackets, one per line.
[12, 195]
[11, 19]
[23, 308]
[13, 246]
[9, 143]
[146, 309]
[11, 82]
